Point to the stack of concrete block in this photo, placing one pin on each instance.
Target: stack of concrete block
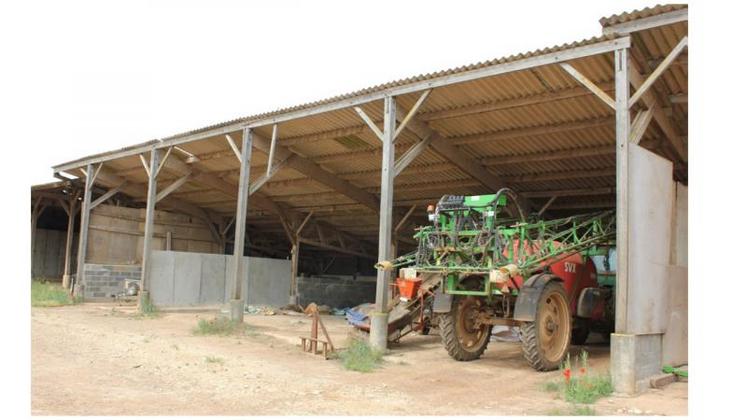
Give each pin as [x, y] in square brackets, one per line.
[336, 291]
[104, 280]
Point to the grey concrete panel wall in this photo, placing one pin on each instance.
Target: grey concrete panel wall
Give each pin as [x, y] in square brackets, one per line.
[103, 280]
[187, 278]
[268, 281]
[336, 291]
[679, 245]
[674, 343]
[162, 278]
[650, 215]
[213, 278]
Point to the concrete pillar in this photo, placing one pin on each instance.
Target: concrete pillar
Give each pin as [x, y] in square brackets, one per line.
[380, 315]
[237, 302]
[150, 214]
[85, 213]
[72, 209]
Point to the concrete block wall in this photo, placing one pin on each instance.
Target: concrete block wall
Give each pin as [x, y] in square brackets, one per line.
[104, 280]
[336, 291]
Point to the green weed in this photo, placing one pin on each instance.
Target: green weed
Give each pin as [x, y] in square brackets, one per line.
[219, 326]
[46, 294]
[575, 410]
[579, 385]
[215, 359]
[582, 410]
[360, 356]
[147, 309]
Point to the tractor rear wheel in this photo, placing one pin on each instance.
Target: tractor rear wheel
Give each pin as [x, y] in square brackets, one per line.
[463, 338]
[545, 341]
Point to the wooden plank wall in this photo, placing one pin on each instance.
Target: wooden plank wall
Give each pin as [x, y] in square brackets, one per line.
[49, 254]
[116, 234]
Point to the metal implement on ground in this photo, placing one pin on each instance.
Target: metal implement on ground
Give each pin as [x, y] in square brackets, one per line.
[311, 343]
[483, 262]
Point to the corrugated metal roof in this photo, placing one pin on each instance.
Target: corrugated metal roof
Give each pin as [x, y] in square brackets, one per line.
[640, 14]
[403, 82]
[534, 114]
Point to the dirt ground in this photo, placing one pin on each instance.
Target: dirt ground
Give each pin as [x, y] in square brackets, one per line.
[100, 359]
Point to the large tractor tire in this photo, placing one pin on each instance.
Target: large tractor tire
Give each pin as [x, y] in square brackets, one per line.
[545, 341]
[580, 332]
[460, 334]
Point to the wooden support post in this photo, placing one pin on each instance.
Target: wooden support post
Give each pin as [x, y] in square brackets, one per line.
[411, 154]
[410, 115]
[164, 160]
[293, 293]
[668, 60]
[36, 211]
[596, 90]
[639, 125]
[622, 136]
[235, 275]
[85, 213]
[380, 316]
[371, 124]
[547, 205]
[233, 146]
[107, 195]
[400, 224]
[173, 187]
[271, 154]
[72, 206]
[150, 214]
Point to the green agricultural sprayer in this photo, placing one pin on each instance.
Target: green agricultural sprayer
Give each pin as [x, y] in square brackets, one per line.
[483, 262]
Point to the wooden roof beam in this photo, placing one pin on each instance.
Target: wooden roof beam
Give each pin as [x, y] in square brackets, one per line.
[462, 160]
[181, 168]
[662, 120]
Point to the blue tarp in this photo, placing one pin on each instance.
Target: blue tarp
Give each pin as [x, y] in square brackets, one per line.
[355, 317]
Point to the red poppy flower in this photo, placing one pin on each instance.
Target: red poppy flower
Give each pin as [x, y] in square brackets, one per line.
[567, 374]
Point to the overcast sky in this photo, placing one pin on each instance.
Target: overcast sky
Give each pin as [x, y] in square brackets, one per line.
[97, 76]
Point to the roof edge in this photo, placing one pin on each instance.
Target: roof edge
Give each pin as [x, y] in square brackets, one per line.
[641, 19]
[516, 62]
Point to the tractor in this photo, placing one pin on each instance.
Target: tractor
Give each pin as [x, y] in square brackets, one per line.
[482, 262]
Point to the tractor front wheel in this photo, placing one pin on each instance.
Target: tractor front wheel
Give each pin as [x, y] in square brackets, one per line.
[461, 335]
[545, 341]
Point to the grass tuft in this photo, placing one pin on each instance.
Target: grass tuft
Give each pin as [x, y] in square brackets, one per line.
[147, 309]
[219, 326]
[575, 410]
[589, 389]
[582, 410]
[580, 385]
[360, 356]
[552, 386]
[215, 359]
[46, 294]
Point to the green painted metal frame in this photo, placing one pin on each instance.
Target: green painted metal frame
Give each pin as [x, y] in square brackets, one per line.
[491, 242]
